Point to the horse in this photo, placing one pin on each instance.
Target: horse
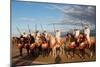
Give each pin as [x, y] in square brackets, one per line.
[24, 42]
[83, 45]
[14, 41]
[92, 46]
[21, 44]
[35, 46]
[59, 43]
[52, 43]
[44, 45]
[70, 45]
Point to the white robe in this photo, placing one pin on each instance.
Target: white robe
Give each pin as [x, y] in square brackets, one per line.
[25, 35]
[37, 39]
[87, 33]
[77, 32]
[58, 36]
[46, 36]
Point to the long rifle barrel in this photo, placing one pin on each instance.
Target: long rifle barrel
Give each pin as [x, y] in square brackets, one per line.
[42, 28]
[35, 27]
[29, 29]
[18, 30]
[54, 28]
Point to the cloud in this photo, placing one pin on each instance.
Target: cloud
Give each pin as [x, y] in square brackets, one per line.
[77, 15]
[75, 22]
[76, 9]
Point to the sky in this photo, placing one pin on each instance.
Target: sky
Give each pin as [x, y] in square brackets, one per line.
[50, 17]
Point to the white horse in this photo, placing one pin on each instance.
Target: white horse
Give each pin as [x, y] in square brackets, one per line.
[52, 43]
[60, 42]
[55, 44]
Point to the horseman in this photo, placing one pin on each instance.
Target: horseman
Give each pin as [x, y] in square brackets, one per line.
[46, 36]
[76, 36]
[37, 38]
[23, 42]
[31, 38]
[33, 35]
[87, 34]
[25, 36]
[37, 35]
[58, 36]
[76, 33]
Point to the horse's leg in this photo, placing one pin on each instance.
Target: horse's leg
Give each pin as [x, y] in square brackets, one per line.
[54, 52]
[37, 51]
[27, 48]
[20, 50]
[73, 52]
[65, 50]
[47, 51]
[68, 52]
[61, 51]
[92, 51]
[43, 53]
[31, 52]
[82, 53]
[50, 52]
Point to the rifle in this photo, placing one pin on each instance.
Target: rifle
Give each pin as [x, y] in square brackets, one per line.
[42, 27]
[35, 27]
[54, 28]
[18, 30]
[29, 29]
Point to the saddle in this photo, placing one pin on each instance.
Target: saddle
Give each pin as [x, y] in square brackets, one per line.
[72, 45]
[82, 45]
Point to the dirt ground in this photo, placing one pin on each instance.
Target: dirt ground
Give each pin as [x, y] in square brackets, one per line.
[31, 60]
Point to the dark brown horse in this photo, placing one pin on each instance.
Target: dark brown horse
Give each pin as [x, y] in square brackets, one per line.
[24, 42]
[70, 45]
